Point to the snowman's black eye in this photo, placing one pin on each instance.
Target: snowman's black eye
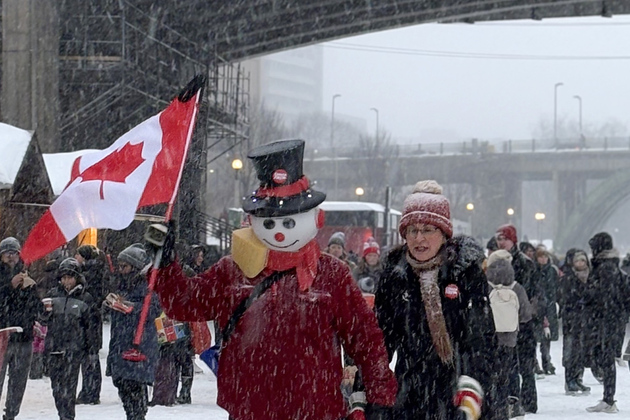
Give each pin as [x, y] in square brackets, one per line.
[269, 224]
[288, 223]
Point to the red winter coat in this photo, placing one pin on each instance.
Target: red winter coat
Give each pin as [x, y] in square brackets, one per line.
[283, 360]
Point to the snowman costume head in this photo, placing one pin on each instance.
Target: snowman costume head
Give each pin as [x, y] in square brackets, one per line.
[283, 211]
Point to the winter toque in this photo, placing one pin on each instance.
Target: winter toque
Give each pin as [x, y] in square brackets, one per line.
[509, 231]
[500, 272]
[500, 254]
[426, 205]
[88, 252]
[371, 247]
[134, 255]
[70, 267]
[10, 244]
[338, 238]
[600, 242]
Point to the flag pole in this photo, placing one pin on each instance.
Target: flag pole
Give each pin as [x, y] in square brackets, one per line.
[192, 90]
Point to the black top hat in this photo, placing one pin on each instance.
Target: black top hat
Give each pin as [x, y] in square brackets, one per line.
[284, 189]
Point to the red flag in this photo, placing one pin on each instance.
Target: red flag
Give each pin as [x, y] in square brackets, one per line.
[143, 167]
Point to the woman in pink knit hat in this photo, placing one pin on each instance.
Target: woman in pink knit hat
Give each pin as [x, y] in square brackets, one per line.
[431, 302]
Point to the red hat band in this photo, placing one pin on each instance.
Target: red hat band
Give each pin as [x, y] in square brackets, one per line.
[296, 188]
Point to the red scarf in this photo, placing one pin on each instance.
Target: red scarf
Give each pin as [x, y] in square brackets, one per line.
[303, 260]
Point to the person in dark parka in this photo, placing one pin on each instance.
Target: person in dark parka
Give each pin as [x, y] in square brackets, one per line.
[500, 274]
[525, 274]
[608, 294]
[132, 377]
[431, 302]
[94, 271]
[547, 330]
[72, 335]
[573, 286]
[20, 306]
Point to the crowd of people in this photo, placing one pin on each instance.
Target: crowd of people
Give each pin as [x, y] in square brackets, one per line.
[61, 313]
[533, 297]
[464, 323]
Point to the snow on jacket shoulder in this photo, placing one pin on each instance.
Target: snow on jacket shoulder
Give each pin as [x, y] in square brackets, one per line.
[288, 340]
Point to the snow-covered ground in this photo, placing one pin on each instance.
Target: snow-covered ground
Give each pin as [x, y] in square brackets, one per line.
[552, 403]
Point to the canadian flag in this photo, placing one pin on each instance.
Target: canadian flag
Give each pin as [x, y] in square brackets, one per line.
[142, 168]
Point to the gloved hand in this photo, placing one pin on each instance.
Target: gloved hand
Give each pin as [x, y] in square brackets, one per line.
[161, 236]
[469, 397]
[357, 402]
[547, 332]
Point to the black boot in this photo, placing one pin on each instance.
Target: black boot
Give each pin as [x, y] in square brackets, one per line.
[184, 392]
[571, 388]
[585, 389]
[549, 368]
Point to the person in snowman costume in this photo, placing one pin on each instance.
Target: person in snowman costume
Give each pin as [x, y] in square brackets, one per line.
[281, 360]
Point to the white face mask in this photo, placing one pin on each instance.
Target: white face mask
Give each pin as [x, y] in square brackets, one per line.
[287, 233]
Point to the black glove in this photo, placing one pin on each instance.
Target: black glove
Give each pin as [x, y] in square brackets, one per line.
[162, 236]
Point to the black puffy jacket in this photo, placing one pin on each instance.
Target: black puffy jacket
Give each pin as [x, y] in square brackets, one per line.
[426, 384]
[70, 324]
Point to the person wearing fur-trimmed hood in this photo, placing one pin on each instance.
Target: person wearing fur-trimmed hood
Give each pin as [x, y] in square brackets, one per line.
[432, 305]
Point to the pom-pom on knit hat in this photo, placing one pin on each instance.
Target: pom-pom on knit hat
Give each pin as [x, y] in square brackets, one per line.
[426, 205]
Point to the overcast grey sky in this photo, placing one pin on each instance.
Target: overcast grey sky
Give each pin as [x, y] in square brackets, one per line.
[439, 97]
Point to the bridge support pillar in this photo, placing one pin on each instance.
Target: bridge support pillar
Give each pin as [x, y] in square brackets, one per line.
[494, 195]
[30, 68]
[570, 191]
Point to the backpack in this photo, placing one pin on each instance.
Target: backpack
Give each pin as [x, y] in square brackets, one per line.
[505, 305]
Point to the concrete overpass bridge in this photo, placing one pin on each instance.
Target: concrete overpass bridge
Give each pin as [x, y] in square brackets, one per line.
[495, 175]
[82, 72]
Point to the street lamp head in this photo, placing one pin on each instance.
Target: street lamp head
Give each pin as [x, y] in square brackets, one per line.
[237, 164]
[510, 211]
[336, 95]
[559, 84]
[359, 191]
[539, 216]
[470, 206]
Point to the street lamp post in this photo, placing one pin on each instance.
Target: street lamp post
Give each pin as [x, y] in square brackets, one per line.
[579, 98]
[540, 217]
[470, 207]
[555, 113]
[376, 111]
[237, 165]
[332, 142]
[359, 191]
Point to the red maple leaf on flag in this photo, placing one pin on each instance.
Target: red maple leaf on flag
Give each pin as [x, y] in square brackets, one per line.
[116, 166]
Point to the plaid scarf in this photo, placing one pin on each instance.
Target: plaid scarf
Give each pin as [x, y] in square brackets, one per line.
[427, 273]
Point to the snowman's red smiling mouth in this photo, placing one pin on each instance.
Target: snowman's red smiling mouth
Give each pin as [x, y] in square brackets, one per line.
[278, 246]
